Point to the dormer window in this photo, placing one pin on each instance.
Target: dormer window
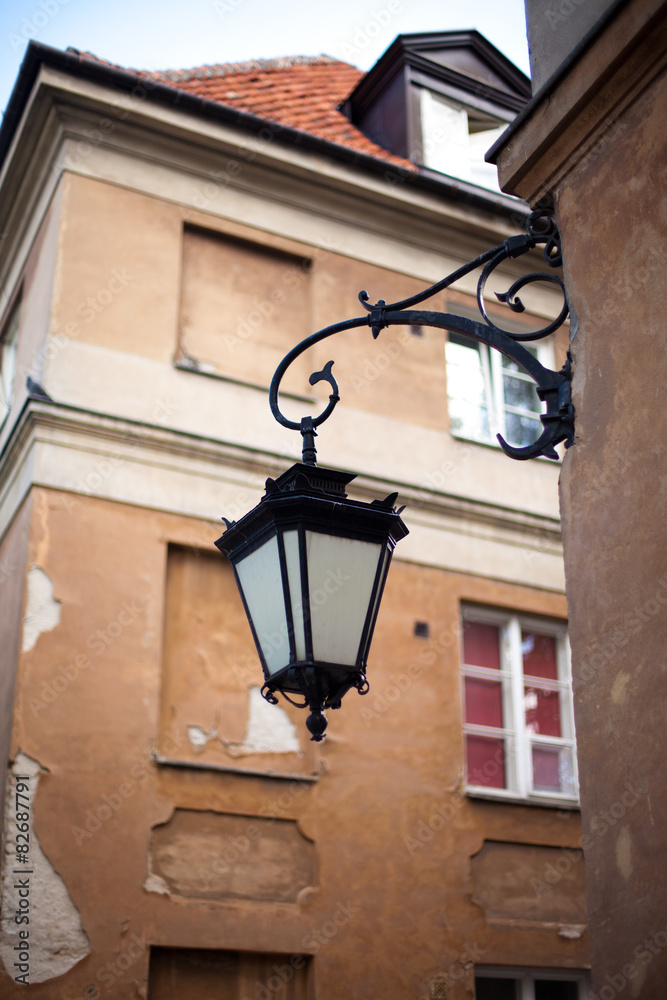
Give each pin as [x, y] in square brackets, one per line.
[441, 99]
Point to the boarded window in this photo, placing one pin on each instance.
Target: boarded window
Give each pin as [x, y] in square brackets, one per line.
[243, 306]
[211, 709]
[200, 974]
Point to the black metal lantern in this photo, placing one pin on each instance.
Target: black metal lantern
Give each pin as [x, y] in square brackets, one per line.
[311, 565]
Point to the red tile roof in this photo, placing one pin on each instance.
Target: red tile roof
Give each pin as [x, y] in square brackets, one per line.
[301, 92]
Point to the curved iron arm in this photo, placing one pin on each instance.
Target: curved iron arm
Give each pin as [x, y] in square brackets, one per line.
[553, 388]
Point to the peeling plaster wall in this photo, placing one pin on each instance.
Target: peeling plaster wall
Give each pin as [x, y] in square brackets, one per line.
[56, 940]
[42, 611]
[13, 558]
[269, 730]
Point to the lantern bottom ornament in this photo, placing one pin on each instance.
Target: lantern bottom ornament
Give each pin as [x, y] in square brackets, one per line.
[311, 565]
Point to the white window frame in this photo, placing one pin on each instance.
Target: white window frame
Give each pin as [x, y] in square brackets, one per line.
[493, 370]
[8, 349]
[526, 978]
[518, 740]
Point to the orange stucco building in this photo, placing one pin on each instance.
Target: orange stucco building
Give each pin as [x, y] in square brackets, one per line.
[170, 237]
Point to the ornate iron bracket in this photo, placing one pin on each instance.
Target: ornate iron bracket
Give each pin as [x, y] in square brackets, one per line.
[553, 388]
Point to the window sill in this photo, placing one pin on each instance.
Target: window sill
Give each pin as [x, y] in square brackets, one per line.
[197, 765]
[509, 798]
[193, 367]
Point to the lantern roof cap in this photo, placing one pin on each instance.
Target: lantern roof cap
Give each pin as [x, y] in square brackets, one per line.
[301, 478]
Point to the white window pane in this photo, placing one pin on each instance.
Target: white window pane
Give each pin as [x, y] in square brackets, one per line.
[341, 574]
[259, 574]
[482, 172]
[445, 136]
[521, 430]
[291, 546]
[521, 392]
[553, 769]
[469, 420]
[8, 347]
[467, 390]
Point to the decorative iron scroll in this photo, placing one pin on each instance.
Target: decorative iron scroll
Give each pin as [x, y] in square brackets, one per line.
[553, 388]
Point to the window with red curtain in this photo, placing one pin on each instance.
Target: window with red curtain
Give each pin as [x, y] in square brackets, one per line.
[519, 727]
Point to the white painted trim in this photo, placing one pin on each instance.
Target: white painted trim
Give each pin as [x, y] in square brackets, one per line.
[83, 453]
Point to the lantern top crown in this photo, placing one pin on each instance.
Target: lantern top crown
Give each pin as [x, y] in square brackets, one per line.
[303, 478]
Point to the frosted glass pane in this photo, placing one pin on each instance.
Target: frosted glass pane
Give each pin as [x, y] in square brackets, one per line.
[291, 543]
[445, 132]
[468, 409]
[341, 574]
[553, 769]
[260, 578]
[481, 172]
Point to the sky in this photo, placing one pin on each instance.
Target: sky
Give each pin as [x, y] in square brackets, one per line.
[180, 34]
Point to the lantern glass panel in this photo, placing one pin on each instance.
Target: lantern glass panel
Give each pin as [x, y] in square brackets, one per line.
[261, 580]
[293, 564]
[341, 575]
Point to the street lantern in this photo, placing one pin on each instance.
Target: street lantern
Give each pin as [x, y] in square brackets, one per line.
[311, 565]
[309, 562]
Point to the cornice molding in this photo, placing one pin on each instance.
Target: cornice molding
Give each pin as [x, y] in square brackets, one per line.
[57, 426]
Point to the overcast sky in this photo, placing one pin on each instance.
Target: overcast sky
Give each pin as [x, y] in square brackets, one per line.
[178, 34]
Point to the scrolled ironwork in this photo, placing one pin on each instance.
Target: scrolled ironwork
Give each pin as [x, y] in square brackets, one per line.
[552, 387]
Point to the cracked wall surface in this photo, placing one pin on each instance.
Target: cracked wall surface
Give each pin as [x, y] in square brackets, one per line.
[56, 940]
[269, 730]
